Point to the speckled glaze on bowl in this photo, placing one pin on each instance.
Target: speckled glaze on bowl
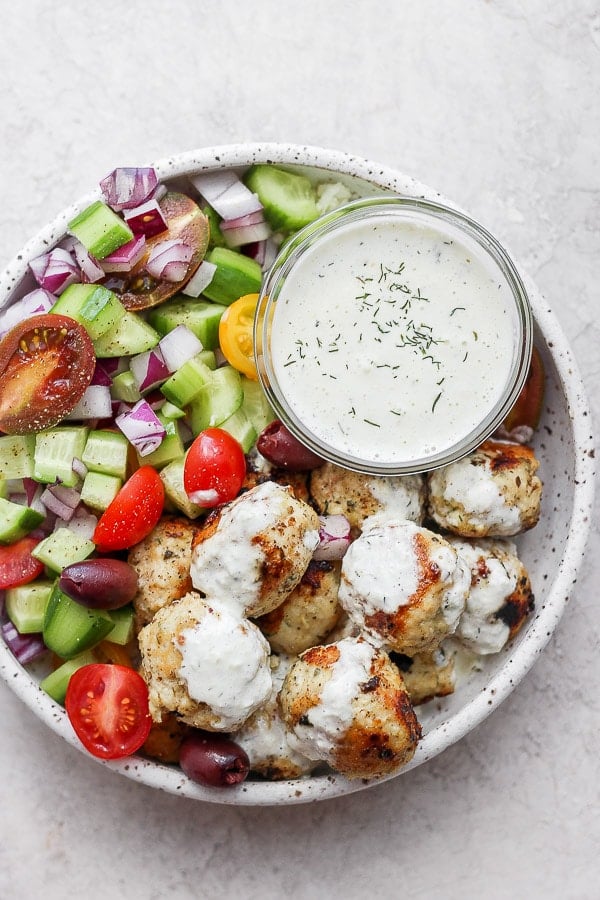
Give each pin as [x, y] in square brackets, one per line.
[552, 552]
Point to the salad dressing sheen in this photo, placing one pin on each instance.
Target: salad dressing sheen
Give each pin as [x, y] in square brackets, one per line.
[392, 340]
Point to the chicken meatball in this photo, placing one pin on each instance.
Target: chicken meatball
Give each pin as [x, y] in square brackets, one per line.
[426, 675]
[206, 665]
[346, 704]
[492, 492]
[403, 585]
[162, 562]
[308, 614]
[500, 597]
[337, 491]
[264, 736]
[253, 552]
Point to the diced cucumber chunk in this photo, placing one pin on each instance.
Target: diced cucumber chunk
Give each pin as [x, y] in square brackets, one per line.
[200, 316]
[289, 199]
[170, 411]
[186, 383]
[100, 230]
[124, 388]
[3, 487]
[255, 404]
[70, 628]
[123, 620]
[241, 428]
[130, 335]
[172, 479]
[171, 447]
[235, 276]
[55, 450]
[25, 606]
[17, 455]
[56, 683]
[216, 238]
[106, 452]
[16, 521]
[61, 548]
[217, 400]
[93, 306]
[99, 490]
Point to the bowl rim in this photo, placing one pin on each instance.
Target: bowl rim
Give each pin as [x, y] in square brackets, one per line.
[539, 631]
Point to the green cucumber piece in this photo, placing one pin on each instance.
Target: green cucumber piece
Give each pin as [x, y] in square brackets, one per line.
[170, 411]
[61, 548]
[187, 382]
[199, 316]
[100, 230]
[216, 238]
[16, 521]
[123, 622]
[255, 404]
[171, 447]
[55, 450]
[70, 628]
[25, 605]
[124, 387]
[56, 683]
[241, 428]
[16, 455]
[289, 200]
[131, 335]
[172, 479]
[93, 306]
[99, 490]
[235, 276]
[3, 488]
[106, 452]
[217, 400]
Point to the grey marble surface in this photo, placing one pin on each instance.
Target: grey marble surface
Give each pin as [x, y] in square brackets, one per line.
[495, 103]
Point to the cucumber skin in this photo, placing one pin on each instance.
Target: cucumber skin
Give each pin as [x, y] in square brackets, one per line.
[201, 316]
[16, 521]
[69, 628]
[236, 276]
[289, 200]
[55, 684]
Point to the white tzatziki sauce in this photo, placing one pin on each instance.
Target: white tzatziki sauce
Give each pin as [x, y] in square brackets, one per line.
[392, 340]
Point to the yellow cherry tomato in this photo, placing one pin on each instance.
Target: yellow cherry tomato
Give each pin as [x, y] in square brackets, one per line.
[235, 335]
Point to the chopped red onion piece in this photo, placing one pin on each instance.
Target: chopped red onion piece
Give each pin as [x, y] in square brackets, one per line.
[56, 505]
[33, 495]
[200, 280]
[67, 495]
[257, 251]
[185, 432]
[83, 523]
[127, 187]
[178, 346]
[208, 498]
[26, 647]
[270, 254]
[220, 358]
[159, 192]
[149, 369]
[255, 218]
[101, 376]
[146, 219]
[91, 271]
[124, 258]
[226, 194]
[334, 537]
[169, 260]
[54, 271]
[142, 428]
[35, 303]
[247, 234]
[79, 467]
[95, 404]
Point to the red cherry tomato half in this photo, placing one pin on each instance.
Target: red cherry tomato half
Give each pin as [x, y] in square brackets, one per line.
[107, 706]
[528, 408]
[133, 513]
[17, 565]
[214, 468]
[46, 363]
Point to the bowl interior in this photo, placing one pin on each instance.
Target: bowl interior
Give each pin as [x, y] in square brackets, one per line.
[552, 551]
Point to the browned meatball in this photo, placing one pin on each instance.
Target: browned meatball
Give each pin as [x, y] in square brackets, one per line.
[346, 704]
[162, 562]
[426, 675]
[492, 492]
[308, 614]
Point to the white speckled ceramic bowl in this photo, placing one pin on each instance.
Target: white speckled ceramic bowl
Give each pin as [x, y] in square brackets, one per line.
[552, 552]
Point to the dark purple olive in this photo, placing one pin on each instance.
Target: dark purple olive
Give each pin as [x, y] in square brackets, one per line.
[100, 583]
[285, 451]
[213, 760]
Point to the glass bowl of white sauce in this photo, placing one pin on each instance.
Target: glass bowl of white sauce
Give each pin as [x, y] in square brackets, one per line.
[393, 335]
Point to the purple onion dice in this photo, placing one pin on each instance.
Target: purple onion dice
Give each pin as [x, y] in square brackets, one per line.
[169, 260]
[127, 187]
[54, 271]
[334, 537]
[125, 257]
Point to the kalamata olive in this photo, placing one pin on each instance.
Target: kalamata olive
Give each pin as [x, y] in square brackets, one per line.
[285, 451]
[100, 583]
[213, 760]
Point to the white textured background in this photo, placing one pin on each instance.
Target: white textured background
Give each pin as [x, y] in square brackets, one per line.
[497, 104]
